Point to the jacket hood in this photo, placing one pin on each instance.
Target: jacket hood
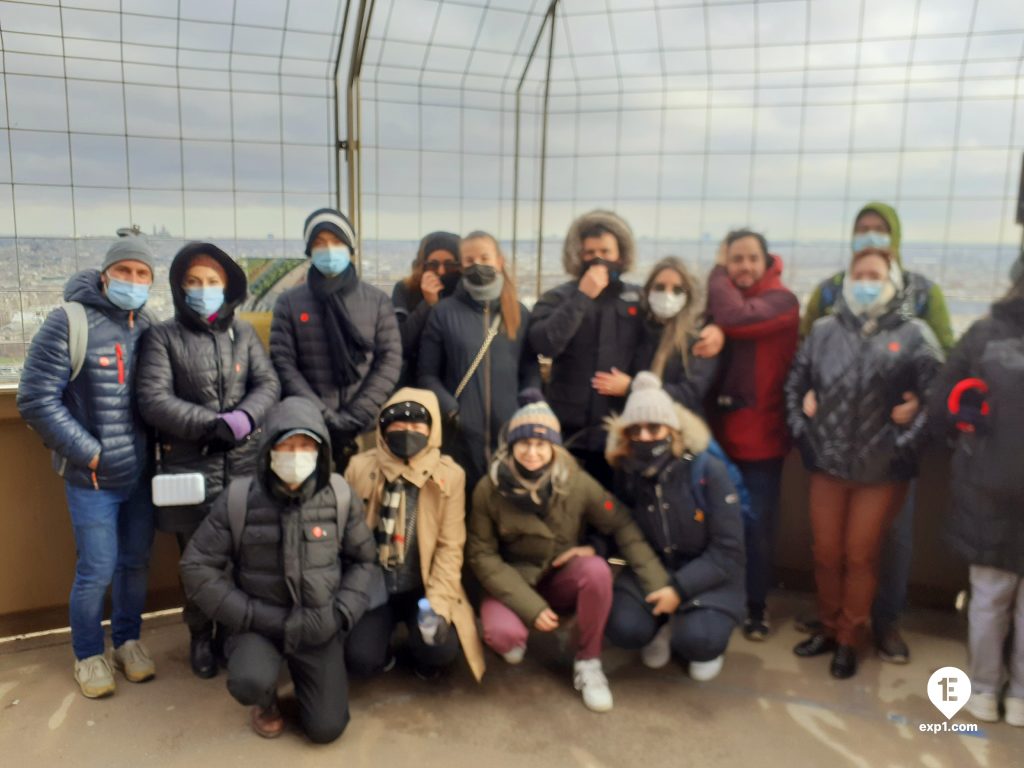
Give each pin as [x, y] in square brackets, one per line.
[571, 258]
[86, 287]
[294, 413]
[420, 467]
[234, 291]
[694, 436]
[888, 213]
[771, 280]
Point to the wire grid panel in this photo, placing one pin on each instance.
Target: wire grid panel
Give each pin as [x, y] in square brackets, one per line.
[195, 120]
[692, 118]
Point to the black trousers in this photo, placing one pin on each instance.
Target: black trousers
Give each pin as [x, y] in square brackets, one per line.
[369, 643]
[321, 683]
[699, 634]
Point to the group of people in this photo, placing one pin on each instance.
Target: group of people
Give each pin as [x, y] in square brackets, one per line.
[654, 441]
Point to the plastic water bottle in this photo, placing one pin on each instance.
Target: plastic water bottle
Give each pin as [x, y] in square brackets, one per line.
[427, 620]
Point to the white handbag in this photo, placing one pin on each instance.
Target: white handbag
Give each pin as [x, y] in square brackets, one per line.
[179, 490]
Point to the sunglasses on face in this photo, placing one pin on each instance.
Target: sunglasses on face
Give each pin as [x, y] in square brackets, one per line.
[678, 290]
[436, 266]
[636, 431]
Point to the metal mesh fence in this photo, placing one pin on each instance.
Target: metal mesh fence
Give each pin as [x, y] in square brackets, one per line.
[214, 119]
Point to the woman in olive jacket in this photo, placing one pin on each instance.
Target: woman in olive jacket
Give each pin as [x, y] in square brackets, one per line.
[205, 385]
[525, 533]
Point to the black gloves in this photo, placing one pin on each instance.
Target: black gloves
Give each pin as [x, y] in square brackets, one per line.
[219, 438]
[267, 619]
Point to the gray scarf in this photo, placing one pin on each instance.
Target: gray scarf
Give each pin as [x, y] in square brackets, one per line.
[485, 293]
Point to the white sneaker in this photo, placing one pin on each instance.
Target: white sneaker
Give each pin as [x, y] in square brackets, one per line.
[702, 671]
[657, 653]
[1014, 711]
[984, 707]
[589, 679]
[94, 677]
[133, 659]
[515, 656]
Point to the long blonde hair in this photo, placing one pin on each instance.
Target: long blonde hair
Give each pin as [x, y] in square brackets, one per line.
[681, 329]
[509, 297]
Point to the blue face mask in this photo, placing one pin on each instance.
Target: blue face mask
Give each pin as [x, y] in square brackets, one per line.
[205, 301]
[866, 292]
[332, 260]
[129, 296]
[865, 240]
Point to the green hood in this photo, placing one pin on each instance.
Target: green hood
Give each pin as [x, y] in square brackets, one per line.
[888, 213]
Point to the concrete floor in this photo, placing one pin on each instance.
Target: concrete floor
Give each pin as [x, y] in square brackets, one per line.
[767, 708]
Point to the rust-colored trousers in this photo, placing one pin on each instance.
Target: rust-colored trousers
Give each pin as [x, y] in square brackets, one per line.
[848, 522]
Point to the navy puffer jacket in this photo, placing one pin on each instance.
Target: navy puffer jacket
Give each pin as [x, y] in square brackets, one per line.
[95, 413]
[859, 370]
[301, 355]
[191, 370]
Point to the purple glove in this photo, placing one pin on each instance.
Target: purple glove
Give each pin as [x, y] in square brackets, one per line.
[240, 423]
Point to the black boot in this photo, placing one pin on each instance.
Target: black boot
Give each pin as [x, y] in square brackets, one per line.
[844, 662]
[200, 656]
[815, 645]
[220, 636]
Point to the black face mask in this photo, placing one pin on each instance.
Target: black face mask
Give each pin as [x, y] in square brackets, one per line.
[481, 274]
[651, 455]
[404, 443]
[529, 474]
[449, 280]
[613, 268]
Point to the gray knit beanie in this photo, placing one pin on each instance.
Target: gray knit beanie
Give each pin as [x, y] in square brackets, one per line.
[129, 248]
[648, 403]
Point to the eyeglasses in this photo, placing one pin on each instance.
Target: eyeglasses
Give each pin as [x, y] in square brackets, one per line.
[636, 431]
[678, 290]
[436, 266]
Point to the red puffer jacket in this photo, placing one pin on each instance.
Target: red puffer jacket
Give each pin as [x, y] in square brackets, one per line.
[761, 325]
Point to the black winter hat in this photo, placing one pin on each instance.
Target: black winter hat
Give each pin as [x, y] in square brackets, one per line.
[331, 220]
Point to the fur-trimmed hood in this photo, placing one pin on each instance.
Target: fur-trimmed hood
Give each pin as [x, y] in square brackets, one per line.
[693, 437]
[571, 259]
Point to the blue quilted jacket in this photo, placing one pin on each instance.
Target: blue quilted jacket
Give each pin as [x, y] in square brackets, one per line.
[95, 413]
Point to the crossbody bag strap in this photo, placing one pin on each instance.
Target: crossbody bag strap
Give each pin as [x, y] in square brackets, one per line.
[491, 333]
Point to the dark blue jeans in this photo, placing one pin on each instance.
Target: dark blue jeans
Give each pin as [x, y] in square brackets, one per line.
[763, 480]
[894, 567]
[113, 535]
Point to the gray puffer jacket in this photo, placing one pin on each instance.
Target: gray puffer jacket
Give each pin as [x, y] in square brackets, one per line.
[859, 370]
[95, 413]
[295, 577]
[300, 352]
[191, 370]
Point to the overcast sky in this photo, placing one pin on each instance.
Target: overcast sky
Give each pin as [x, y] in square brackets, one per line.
[688, 118]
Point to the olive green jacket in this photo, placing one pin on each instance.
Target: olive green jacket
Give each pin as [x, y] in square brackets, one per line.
[511, 549]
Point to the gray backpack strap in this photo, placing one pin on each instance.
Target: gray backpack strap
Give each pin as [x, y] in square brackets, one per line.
[238, 497]
[78, 335]
[342, 499]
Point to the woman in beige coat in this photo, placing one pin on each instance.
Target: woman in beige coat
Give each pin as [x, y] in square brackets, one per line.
[415, 504]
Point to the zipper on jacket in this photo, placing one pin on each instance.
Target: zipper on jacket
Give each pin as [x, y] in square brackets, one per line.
[120, 363]
[667, 549]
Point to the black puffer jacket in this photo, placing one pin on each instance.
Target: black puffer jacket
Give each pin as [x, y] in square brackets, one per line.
[859, 371]
[95, 413]
[191, 370]
[583, 336]
[987, 525]
[295, 577]
[688, 384]
[455, 332]
[299, 351]
[701, 547]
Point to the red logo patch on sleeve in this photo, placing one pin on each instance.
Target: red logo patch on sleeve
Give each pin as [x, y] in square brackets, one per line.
[894, 346]
[609, 505]
[318, 532]
[632, 311]
[104, 361]
[304, 317]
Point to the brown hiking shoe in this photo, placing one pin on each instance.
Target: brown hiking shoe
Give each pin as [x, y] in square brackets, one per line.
[268, 722]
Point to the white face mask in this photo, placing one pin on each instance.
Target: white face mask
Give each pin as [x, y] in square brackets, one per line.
[665, 305]
[293, 467]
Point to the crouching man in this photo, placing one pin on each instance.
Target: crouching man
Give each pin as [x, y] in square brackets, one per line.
[301, 560]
